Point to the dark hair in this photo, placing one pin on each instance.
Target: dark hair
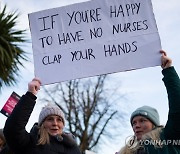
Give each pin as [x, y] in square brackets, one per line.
[2, 136]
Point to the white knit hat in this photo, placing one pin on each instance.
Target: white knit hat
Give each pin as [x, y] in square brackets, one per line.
[50, 109]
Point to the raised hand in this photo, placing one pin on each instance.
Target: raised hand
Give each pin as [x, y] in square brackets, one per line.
[165, 60]
[34, 86]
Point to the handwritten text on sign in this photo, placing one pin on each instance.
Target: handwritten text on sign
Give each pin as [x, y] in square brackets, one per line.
[93, 38]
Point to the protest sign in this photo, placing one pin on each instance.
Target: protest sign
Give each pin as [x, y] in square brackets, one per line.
[10, 104]
[89, 152]
[93, 38]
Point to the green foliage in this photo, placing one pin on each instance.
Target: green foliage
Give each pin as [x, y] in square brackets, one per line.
[10, 52]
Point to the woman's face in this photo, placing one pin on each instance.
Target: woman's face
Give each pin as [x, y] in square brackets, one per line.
[54, 125]
[141, 125]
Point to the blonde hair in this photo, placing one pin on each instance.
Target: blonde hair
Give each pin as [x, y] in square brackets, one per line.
[154, 135]
[133, 144]
[44, 136]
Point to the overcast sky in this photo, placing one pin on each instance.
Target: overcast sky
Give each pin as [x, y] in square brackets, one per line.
[142, 86]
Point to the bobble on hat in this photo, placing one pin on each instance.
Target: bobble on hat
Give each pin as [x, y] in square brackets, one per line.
[147, 112]
[50, 109]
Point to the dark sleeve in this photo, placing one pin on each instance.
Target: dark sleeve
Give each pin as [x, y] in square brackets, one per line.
[76, 150]
[14, 130]
[6, 150]
[172, 83]
[69, 139]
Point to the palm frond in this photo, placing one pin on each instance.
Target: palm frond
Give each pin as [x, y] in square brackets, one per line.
[11, 54]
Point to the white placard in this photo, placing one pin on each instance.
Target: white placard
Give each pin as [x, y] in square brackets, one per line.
[93, 38]
[89, 152]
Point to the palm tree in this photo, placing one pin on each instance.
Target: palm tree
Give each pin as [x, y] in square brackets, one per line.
[10, 52]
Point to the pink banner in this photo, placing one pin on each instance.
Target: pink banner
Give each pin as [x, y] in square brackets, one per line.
[10, 104]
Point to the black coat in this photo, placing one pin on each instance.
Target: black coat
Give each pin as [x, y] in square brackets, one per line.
[6, 150]
[22, 142]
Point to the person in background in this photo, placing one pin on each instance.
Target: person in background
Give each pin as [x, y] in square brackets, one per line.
[149, 136]
[4, 149]
[46, 136]
[2, 140]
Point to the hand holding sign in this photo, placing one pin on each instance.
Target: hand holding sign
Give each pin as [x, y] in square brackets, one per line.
[165, 61]
[34, 86]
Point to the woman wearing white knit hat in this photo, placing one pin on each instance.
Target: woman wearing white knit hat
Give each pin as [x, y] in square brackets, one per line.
[47, 136]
